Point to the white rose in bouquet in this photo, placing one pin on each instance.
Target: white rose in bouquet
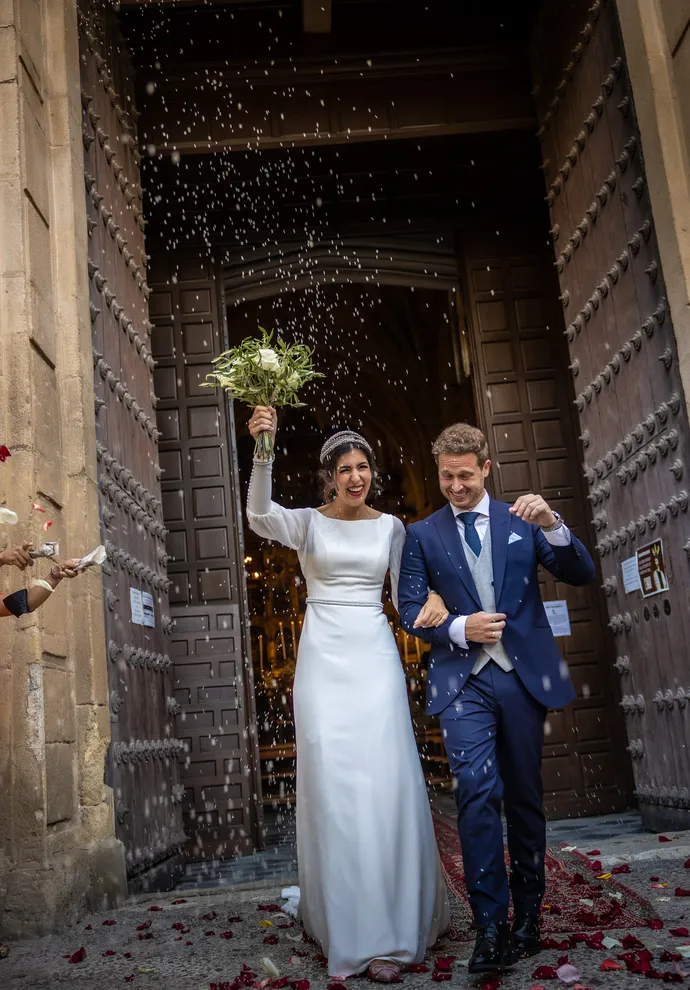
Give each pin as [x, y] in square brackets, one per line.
[262, 374]
[267, 359]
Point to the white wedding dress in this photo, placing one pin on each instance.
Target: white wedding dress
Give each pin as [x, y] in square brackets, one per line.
[371, 885]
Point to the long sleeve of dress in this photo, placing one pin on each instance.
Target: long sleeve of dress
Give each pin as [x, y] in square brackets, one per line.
[397, 544]
[270, 520]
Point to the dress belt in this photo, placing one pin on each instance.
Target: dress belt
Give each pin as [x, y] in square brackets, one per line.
[328, 601]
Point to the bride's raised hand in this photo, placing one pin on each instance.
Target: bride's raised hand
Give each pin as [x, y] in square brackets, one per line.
[433, 614]
[264, 419]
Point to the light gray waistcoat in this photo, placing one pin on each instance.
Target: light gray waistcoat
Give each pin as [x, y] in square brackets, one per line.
[483, 573]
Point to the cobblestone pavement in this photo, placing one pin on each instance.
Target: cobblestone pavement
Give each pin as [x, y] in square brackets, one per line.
[184, 945]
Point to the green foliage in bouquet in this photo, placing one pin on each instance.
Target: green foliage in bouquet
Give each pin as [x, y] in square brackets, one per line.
[261, 373]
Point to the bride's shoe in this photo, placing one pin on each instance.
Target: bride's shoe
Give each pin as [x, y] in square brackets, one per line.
[384, 971]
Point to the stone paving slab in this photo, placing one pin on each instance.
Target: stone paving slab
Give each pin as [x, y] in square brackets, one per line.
[192, 960]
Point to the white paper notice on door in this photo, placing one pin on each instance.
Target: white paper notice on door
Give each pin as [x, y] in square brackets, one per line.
[137, 606]
[149, 616]
[631, 574]
[559, 620]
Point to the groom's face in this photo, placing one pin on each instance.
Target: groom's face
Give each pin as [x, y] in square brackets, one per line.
[462, 478]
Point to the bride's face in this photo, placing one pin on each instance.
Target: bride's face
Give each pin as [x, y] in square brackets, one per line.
[352, 478]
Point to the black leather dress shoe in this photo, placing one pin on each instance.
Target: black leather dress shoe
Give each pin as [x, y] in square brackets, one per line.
[526, 934]
[493, 949]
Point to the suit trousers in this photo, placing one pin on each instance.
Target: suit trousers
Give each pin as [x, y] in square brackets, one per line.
[493, 734]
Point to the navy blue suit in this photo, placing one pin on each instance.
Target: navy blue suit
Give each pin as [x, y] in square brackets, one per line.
[493, 722]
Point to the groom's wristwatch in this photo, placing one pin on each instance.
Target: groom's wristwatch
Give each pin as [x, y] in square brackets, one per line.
[554, 526]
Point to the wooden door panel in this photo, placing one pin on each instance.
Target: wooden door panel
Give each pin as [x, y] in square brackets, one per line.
[142, 760]
[524, 399]
[629, 397]
[210, 646]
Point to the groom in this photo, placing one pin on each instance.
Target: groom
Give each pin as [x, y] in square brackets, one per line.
[494, 670]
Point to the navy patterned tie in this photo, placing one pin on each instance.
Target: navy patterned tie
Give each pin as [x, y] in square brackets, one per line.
[468, 520]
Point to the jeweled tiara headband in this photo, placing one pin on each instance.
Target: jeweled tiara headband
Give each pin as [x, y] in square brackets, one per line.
[339, 439]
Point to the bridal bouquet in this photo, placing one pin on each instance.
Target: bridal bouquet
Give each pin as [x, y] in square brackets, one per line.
[262, 373]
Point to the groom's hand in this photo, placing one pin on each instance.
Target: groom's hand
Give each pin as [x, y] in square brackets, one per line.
[485, 627]
[533, 509]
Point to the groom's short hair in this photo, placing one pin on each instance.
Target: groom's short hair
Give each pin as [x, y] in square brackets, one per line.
[461, 438]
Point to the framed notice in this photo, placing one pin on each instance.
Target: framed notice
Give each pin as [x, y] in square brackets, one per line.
[651, 568]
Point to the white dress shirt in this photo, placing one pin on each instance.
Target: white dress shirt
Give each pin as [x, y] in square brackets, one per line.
[558, 538]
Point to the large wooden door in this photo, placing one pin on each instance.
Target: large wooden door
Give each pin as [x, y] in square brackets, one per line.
[142, 762]
[629, 398]
[214, 688]
[524, 403]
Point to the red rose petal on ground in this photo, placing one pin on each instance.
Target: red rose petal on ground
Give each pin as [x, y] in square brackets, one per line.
[593, 852]
[577, 880]
[444, 963]
[682, 892]
[283, 981]
[664, 838]
[667, 956]
[291, 925]
[89, 928]
[178, 926]
[596, 865]
[544, 973]
[686, 864]
[623, 868]
[109, 952]
[155, 907]
[654, 879]
[130, 978]
[146, 924]
[47, 525]
[631, 942]
[233, 918]
[127, 955]
[679, 932]
[226, 934]
[271, 940]
[4, 453]
[492, 984]
[416, 968]
[440, 976]
[656, 924]
[300, 984]
[78, 956]
[207, 934]
[143, 936]
[180, 900]
[610, 964]
[109, 923]
[271, 908]
[189, 943]
[211, 916]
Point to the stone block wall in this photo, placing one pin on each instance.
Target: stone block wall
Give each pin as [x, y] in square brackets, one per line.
[58, 855]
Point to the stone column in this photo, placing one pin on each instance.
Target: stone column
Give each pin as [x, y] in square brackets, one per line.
[657, 46]
[58, 854]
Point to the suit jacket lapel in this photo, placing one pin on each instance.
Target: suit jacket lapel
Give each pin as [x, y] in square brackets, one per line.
[452, 544]
[499, 521]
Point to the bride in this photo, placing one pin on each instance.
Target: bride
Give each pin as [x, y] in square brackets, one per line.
[371, 887]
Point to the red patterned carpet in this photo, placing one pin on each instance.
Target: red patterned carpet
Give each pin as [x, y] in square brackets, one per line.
[570, 881]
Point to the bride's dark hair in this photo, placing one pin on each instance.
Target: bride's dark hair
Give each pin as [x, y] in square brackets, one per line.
[328, 466]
